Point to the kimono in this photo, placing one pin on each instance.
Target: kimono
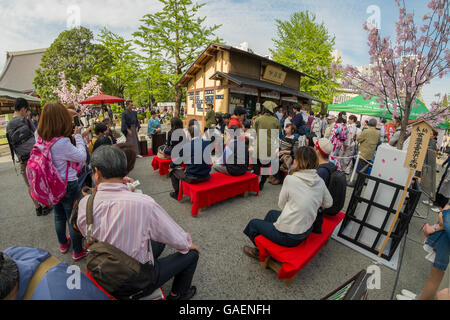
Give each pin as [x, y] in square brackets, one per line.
[338, 138]
[130, 121]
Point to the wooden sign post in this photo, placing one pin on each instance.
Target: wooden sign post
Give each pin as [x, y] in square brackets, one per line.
[417, 150]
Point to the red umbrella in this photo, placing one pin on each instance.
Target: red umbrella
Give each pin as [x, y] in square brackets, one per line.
[102, 99]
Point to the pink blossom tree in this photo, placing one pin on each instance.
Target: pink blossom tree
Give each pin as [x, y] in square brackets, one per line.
[74, 96]
[400, 68]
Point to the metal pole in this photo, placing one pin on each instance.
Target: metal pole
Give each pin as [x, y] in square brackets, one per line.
[402, 253]
[355, 167]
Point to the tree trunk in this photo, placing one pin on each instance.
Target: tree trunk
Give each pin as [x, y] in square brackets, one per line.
[405, 121]
[178, 98]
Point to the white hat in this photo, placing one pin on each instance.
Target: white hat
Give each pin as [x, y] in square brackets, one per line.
[324, 146]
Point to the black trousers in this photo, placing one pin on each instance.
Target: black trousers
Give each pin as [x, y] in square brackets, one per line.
[180, 266]
[257, 227]
[179, 174]
[257, 171]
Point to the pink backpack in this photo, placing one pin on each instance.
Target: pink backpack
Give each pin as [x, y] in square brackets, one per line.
[46, 186]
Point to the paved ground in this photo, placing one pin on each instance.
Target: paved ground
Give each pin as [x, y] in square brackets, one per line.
[224, 272]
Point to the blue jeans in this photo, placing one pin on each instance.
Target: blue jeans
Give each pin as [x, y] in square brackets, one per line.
[63, 211]
[180, 266]
[266, 228]
[440, 242]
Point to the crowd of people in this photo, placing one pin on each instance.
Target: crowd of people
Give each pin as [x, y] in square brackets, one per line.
[299, 150]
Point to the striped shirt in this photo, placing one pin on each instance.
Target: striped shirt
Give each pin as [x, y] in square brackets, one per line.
[129, 221]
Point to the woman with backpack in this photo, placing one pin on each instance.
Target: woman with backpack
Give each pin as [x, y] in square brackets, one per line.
[54, 134]
[303, 193]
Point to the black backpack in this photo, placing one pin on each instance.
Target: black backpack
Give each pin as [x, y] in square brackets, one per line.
[337, 186]
[19, 131]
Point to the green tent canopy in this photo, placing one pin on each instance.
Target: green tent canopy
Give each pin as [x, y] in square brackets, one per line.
[372, 108]
[443, 125]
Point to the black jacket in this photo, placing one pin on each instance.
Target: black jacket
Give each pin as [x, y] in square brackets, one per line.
[187, 154]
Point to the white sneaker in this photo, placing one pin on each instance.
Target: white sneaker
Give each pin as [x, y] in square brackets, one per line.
[437, 210]
[427, 202]
[139, 156]
[401, 297]
[409, 294]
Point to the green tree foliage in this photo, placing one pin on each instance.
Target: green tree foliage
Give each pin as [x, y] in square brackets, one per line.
[74, 53]
[123, 70]
[175, 36]
[305, 45]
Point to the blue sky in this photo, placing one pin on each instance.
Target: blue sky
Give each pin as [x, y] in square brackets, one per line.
[26, 24]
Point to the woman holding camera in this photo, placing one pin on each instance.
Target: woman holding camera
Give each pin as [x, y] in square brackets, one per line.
[57, 122]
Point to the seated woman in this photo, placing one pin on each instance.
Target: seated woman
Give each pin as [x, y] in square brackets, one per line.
[286, 154]
[100, 130]
[165, 151]
[236, 157]
[303, 193]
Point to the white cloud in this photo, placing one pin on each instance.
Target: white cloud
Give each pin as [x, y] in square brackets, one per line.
[26, 25]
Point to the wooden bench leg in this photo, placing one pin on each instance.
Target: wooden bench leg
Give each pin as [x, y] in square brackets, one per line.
[276, 266]
[203, 209]
[287, 282]
[265, 264]
[245, 194]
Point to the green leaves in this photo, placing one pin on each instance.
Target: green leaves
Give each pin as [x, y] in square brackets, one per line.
[74, 53]
[172, 39]
[304, 45]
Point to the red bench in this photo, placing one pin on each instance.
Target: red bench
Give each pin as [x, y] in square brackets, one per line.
[219, 188]
[163, 165]
[287, 262]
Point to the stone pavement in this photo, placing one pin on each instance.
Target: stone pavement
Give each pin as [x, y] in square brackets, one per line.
[224, 272]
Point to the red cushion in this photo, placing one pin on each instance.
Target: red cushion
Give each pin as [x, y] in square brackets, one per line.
[161, 164]
[294, 259]
[220, 187]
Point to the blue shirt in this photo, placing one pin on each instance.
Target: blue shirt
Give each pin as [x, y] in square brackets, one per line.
[53, 286]
[153, 124]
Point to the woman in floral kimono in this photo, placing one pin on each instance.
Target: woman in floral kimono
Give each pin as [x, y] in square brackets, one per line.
[338, 138]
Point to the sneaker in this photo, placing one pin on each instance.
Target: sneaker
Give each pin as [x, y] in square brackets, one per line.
[39, 211]
[174, 195]
[251, 252]
[437, 210]
[64, 248]
[186, 296]
[408, 293]
[402, 297]
[427, 202]
[139, 156]
[79, 256]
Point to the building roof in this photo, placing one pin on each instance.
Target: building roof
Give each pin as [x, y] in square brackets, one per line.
[13, 94]
[243, 81]
[20, 70]
[214, 47]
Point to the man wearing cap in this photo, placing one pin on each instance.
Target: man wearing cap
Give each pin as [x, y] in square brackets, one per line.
[331, 122]
[264, 126]
[323, 148]
[368, 140]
